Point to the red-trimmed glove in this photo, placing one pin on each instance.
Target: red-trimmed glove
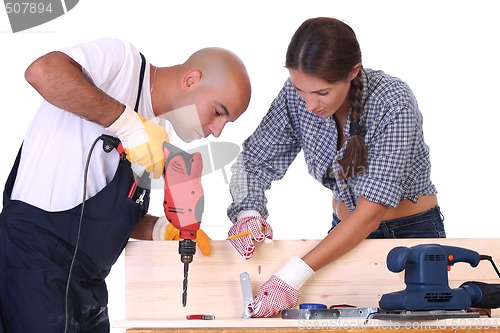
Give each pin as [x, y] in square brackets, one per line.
[281, 291]
[260, 230]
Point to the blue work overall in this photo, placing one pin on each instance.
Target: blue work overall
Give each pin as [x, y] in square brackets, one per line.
[36, 248]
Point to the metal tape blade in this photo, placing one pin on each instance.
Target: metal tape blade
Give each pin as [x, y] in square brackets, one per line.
[310, 314]
[246, 290]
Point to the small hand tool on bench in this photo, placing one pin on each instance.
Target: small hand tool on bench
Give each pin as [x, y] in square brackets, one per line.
[320, 311]
[246, 290]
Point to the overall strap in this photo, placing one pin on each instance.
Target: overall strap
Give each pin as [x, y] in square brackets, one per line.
[144, 181]
[141, 78]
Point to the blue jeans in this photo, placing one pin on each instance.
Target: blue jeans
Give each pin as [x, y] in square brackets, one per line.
[428, 224]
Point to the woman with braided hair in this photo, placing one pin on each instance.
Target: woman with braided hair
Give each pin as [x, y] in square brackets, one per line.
[361, 134]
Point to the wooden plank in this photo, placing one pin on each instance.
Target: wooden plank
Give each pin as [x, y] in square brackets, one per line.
[297, 330]
[280, 325]
[154, 275]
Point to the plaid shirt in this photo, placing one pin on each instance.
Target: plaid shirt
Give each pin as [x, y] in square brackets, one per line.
[398, 158]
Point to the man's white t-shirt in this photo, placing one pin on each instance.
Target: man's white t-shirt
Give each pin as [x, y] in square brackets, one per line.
[58, 142]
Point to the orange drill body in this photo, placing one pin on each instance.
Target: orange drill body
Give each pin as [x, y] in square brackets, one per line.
[183, 202]
[184, 199]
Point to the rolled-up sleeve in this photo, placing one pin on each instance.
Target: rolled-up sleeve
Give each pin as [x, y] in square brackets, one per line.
[398, 161]
[391, 155]
[265, 157]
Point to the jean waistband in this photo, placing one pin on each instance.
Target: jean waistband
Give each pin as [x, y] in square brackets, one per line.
[418, 216]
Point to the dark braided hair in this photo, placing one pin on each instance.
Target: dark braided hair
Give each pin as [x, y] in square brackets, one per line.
[328, 49]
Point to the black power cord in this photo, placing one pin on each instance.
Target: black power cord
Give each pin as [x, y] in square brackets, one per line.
[70, 272]
[484, 296]
[490, 259]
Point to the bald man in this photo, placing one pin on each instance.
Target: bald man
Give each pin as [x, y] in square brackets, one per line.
[102, 87]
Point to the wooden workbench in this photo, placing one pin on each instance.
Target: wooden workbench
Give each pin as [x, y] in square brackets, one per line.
[154, 273]
[301, 330]
[445, 327]
[484, 325]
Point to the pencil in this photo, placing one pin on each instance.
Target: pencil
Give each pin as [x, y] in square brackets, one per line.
[243, 234]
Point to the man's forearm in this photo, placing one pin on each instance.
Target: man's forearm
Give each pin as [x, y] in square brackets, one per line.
[144, 229]
[61, 82]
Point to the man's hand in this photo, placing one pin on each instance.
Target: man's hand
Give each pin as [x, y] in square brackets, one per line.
[254, 226]
[281, 291]
[142, 140]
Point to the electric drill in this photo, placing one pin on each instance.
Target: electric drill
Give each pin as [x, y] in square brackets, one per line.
[184, 199]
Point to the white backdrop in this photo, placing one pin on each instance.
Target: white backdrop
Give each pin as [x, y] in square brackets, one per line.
[445, 50]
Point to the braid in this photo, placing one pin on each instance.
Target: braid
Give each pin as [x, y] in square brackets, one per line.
[356, 155]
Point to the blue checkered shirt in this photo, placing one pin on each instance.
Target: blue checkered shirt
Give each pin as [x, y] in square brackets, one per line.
[398, 158]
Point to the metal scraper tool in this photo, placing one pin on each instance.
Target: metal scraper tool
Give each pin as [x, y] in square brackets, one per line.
[334, 313]
[246, 290]
[310, 314]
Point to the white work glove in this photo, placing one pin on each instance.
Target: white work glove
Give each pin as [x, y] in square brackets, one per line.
[142, 140]
[250, 222]
[281, 291]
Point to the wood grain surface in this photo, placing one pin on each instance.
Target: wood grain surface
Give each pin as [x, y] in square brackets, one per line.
[154, 276]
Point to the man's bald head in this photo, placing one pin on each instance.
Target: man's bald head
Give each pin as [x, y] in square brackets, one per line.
[223, 70]
[221, 60]
[203, 94]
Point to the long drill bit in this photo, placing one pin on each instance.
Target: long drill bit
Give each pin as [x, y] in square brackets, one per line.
[187, 249]
[185, 284]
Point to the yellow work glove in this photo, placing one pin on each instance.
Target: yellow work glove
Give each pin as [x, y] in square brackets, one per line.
[164, 230]
[202, 239]
[142, 140]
